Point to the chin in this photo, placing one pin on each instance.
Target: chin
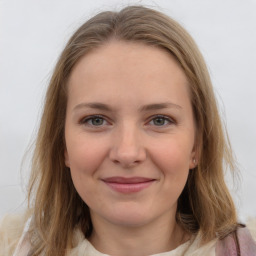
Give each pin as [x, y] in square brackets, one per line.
[129, 218]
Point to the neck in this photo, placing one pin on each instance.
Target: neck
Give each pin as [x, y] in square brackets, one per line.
[153, 238]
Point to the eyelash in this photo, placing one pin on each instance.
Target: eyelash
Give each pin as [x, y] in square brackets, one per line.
[85, 121]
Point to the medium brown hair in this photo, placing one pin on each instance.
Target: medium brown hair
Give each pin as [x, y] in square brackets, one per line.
[205, 206]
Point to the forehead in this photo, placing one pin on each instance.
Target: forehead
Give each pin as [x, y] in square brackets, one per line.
[124, 55]
[127, 69]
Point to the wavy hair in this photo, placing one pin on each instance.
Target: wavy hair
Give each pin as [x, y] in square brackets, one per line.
[205, 205]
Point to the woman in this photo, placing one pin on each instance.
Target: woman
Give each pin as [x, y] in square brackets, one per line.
[130, 152]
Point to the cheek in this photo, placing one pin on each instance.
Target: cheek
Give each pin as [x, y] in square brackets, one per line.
[172, 163]
[172, 157]
[85, 155]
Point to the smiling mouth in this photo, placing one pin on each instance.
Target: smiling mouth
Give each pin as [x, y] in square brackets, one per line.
[128, 185]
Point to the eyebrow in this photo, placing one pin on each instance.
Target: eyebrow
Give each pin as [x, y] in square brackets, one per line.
[93, 105]
[145, 108]
[157, 106]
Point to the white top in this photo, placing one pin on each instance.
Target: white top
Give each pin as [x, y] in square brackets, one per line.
[23, 244]
[13, 236]
[84, 247]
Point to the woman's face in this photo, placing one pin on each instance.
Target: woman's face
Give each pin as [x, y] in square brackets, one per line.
[129, 133]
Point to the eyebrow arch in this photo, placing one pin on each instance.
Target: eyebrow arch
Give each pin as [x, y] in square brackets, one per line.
[157, 106]
[93, 105]
[145, 108]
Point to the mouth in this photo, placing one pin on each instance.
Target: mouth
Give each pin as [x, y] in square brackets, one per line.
[128, 185]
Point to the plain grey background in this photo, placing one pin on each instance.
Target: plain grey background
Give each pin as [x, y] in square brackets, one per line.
[33, 33]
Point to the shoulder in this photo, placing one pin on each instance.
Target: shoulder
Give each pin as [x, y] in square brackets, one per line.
[241, 240]
[11, 228]
[251, 225]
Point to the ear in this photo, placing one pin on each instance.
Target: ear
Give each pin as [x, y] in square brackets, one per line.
[66, 156]
[193, 158]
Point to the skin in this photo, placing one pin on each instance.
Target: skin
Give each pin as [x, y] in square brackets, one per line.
[130, 139]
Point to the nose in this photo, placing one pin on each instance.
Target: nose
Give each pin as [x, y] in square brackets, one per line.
[127, 149]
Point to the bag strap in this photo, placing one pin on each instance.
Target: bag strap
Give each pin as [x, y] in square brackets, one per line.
[236, 240]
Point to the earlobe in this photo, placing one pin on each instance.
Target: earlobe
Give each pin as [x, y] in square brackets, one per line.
[193, 163]
[194, 160]
[194, 155]
[66, 158]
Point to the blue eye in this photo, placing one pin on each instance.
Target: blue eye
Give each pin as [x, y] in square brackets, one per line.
[94, 121]
[160, 121]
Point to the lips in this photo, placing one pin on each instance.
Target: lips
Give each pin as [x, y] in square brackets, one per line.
[128, 185]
